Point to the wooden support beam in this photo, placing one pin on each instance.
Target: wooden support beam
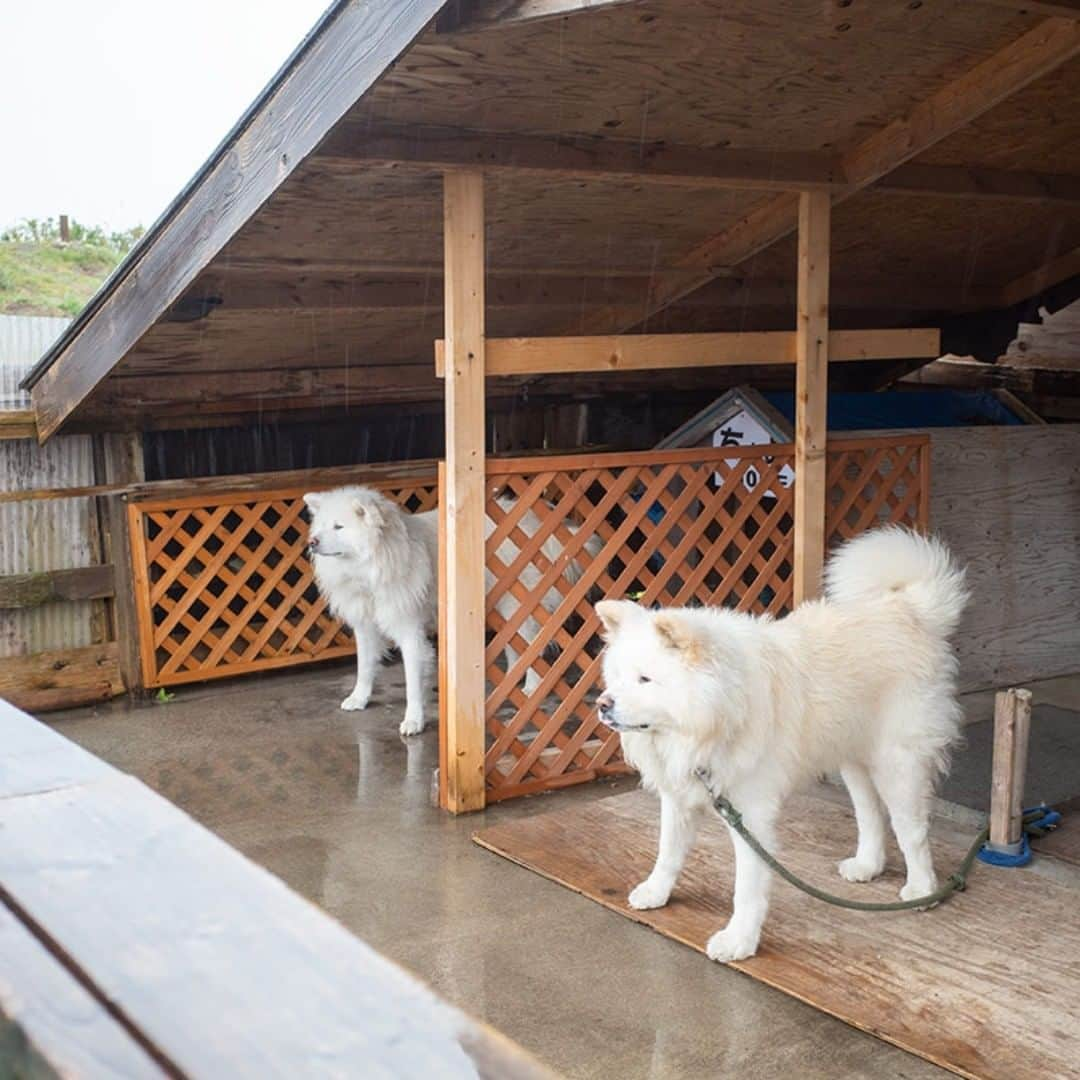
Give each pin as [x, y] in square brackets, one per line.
[1012, 726]
[973, 375]
[641, 352]
[1051, 273]
[1065, 9]
[811, 393]
[975, 184]
[667, 165]
[563, 157]
[463, 706]
[49, 586]
[466, 16]
[349, 51]
[1052, 43]
[124, 463]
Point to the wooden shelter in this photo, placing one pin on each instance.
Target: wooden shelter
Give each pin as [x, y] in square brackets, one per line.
[572, 198]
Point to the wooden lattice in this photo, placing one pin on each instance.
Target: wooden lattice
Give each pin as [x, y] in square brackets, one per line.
[223, 586]
[673, 528]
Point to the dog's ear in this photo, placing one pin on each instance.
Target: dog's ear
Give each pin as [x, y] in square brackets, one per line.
[612, 614]
[678, 633]
[312, 500]
[367, 510]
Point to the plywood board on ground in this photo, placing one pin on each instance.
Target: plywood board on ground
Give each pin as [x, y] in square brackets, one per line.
[968, 986]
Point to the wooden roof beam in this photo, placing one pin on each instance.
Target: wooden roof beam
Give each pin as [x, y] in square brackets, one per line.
[465, 16]
[1043, 277]
[1043, 49]
[1064, 9]
[618, 160]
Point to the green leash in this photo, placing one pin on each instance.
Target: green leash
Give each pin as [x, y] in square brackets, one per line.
[955, 882]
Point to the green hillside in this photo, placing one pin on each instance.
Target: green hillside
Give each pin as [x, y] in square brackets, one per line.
[42, 275]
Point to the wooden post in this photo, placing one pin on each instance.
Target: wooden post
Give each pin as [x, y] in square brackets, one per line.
[463, 254]
[1012, 725]
[65, 229]
[123, 464]
[811, 392]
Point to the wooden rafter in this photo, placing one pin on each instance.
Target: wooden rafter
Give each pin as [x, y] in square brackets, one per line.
[1049, 45]
[1043, 277]
[469, 15]
[661, 164]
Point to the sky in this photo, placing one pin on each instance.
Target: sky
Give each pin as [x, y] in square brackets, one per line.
[108, 107]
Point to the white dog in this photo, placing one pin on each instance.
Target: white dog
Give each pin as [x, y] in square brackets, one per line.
[862, 682]
[377, 565]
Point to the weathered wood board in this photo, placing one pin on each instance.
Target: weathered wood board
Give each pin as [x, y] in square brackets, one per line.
[1064, 842]
[968, 986]
[52, 1026]
[62, 679]
[214, 962]
[1007, 501]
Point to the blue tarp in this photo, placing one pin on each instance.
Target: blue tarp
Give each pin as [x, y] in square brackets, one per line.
[906, 409]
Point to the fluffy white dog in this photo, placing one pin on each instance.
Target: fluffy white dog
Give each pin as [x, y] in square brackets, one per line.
[862, 681]
[377, 565]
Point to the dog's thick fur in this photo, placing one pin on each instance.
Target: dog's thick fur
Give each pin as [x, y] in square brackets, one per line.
[861, 682]
[377, 565]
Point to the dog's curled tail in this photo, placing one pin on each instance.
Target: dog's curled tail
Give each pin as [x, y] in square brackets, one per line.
[897, 560]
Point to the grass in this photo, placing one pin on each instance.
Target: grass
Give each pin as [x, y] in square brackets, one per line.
[51, 279]
[40, 274]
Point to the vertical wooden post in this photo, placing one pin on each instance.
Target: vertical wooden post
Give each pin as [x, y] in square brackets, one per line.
[1012, 725]
[811, 392]
[123, 464]
[463, 255]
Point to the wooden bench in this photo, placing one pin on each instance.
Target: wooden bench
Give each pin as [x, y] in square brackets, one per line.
[137, 943]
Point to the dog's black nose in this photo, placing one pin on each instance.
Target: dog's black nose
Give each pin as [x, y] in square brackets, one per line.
[605, 703]
[313, 543]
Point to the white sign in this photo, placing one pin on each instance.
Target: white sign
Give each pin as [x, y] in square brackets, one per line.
[744, 430]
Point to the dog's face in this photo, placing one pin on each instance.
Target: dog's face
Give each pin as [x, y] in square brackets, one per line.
[653, 668]
[345, 524]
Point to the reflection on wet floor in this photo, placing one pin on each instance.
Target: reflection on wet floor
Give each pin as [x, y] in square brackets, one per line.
[338, 805]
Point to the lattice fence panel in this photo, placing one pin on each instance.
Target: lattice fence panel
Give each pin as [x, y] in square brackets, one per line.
[223, 585]
[701, 527]
[876, 482]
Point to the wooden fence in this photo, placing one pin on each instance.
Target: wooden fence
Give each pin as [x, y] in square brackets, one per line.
[221, 580]
[689, 527]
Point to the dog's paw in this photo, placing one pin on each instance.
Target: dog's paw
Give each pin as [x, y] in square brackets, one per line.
[355, 702]
[730, 944]
[648, 895]
[913, 890]
[411, 725]
[855, 869]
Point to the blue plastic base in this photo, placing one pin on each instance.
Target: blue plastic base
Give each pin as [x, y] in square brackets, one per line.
[1005, 858]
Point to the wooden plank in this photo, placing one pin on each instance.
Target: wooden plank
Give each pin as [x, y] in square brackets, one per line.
[975, 183]
[642, 352]
[180, 933]
[61, 679]
[1052, 43]
[811, 393]
[354, 46]
[51, 1025]
[995, 488]
[611, 160]
[465, 489]
[48, 586]
[18, 424]
[1012, 727]
[972, 375]
[472, 15]
[1066, 9]
[882, 973]
[1058, 269]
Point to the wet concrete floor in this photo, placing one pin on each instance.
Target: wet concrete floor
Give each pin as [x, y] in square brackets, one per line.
[337, 805]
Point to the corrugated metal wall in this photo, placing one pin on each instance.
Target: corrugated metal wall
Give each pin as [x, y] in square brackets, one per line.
[55, 535]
